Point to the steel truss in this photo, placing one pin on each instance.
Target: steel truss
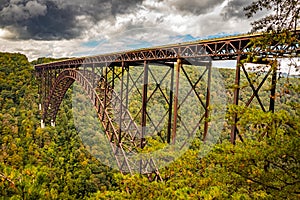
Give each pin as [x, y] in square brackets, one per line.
[126, 130]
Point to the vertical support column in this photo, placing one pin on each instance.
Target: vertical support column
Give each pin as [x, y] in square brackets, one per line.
[144, 104]
[105, 91]
[48, 82]
[84, 70]
[52, 77]
[93, 75]
[121, 103]
[207, 101]
[273, 87]
[39, 77]
[113, 77]
[51, 85]
[178, 67]
[56, 73]
[39, 80]
[40, 85]
[127, 88]
[45, 85]
[43, 96]
[170, 105]
[93, 83]
[99, 72]
[236, 98]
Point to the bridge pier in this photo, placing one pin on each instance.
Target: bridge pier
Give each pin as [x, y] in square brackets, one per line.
[207, 103]
[144, 104]
[172, 66]
[177, 78]
[255, 91]
[127, 87]
[121, 103]
[236, 98]
[273, 87]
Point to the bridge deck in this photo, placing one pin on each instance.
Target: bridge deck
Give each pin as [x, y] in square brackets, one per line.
[225, 48]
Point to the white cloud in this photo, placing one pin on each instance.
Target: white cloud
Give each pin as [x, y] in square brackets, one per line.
[5, 34]
[23, 12]
[155, 22]
[35, 49]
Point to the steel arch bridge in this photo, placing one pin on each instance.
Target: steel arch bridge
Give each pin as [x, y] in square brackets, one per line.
[98, 76]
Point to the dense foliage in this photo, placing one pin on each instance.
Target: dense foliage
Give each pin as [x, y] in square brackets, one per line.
[40, 163]
[52, 163]
[282, 15]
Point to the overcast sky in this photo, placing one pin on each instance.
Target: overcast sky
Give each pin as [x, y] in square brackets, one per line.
[66, 28]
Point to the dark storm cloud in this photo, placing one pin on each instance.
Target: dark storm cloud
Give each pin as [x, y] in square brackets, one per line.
[196, 7]
[58, 19]
[235, 9]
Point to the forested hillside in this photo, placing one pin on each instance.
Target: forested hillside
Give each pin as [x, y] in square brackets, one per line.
[52, 163]
[37, 163]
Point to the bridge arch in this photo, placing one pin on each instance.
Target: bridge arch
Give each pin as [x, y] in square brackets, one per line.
[63, 82]
[124, 145]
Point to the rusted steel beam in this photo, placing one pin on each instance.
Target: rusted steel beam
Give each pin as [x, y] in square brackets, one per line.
[169, 131]
[207, 103]
[93, 77]
[175, 110]
[144, 104]
[273, 88]
[113, 77]
[127, 87]
[121, 104]
[226, 48]
[236, 98]
[255, 91]
[105, 90]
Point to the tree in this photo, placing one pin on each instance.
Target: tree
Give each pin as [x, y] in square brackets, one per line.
[40, 163]
[284, 15]
[280, 38]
